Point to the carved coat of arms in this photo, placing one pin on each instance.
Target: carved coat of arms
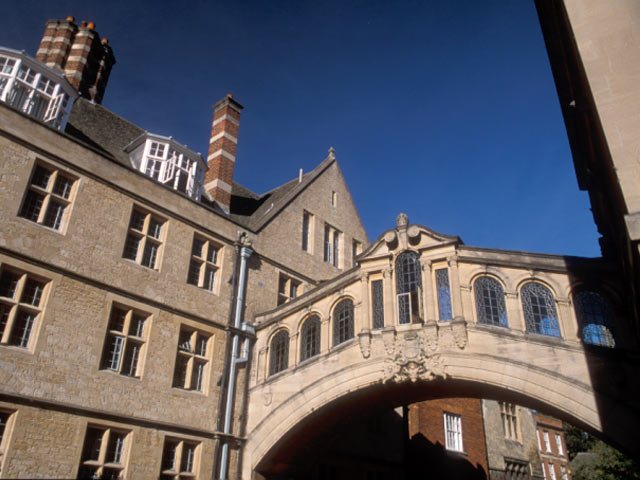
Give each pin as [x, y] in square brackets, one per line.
[407, 360]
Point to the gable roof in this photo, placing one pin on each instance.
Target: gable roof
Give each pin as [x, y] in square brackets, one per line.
[101, 129]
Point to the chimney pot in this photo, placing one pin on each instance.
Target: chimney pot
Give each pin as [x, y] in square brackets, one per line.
[70, 19]
[104, 41]
[83, 24]
[91, 25]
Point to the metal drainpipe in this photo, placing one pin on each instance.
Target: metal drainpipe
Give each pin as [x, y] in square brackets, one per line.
[245, 253]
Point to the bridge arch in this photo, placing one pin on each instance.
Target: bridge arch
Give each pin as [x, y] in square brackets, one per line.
[398, 363]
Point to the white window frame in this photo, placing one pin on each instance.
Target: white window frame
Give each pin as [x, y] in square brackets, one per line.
[547, 443]
[453, 431]
[552, 471]
[559, 444]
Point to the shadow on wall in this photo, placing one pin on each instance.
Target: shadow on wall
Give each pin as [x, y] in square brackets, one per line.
[428, 460]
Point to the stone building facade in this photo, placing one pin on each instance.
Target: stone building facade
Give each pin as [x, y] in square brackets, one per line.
[119, 288]
[159, 320]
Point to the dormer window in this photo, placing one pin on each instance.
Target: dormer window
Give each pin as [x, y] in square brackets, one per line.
[35, 89]
[168, 162]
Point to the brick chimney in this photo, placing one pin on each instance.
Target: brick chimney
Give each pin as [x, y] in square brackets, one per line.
[222, 151]
[78, 52]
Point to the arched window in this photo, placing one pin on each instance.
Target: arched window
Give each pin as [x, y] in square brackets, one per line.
[343, 322]
[490, 302]
[408, 287]
[279, 356]
[595, 318]
[310, 338]
[539, 310]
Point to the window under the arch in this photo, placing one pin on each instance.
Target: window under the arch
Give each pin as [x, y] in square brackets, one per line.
[595, 318]
[279, 356]
[490, 305]
[310, 338]
[343, 322]
[408, 287]
[539, 310]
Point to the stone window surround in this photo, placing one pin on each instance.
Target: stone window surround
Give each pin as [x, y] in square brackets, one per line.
[48, 200]
[187, 458]
[26, 288]
[111, 444]
[128, 358]
[193, 359]
[203, 271]
[145, 238]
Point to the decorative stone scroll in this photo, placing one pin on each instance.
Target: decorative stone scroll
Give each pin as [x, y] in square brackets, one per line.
[408, 361]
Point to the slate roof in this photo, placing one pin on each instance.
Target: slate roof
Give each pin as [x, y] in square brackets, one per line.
[101, 129]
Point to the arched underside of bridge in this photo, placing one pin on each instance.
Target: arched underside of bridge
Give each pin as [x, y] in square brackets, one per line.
[292, 413]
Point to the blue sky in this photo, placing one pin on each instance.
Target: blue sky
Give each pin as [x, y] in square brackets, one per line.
[446, 111]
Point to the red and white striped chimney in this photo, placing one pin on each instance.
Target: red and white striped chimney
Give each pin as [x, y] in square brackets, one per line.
[78, 52]
[222, 151]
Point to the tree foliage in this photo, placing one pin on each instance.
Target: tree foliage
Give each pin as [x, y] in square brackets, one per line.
[592, 459]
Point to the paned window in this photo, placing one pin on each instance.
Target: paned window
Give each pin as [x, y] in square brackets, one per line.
[356, 248]
[310, 338]
[144, 239]
[563, 471]
[288, 288]
[552, 472]
[444, 294]
[539, 310]
[490, 303]
[192, 360]
[509, 413]
[124, 345]
[343, 322]
[595, 317]
[307, 228]
[409, 287]
[377, 303]
[48, 197]
[203, 264]
[21, 303]
[332, 246]
[32, 92]
[279, 352]
[547, 443]
[559, 444]
[515, 470]
[104, 453]
[453, 432]
[178, 459]
[544, 471]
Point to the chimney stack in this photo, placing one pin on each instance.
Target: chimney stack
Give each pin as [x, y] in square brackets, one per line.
[78, 52]
[222, 151]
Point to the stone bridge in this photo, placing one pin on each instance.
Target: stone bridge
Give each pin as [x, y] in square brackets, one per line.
[424, 316]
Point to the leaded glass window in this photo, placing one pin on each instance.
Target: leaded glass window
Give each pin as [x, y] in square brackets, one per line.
[279, 359]
[310, 338]
[490, 303]
[377, 304]
[444, 294]
[343, 322]
[539, 310]
[595, 317]
[408, 287]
